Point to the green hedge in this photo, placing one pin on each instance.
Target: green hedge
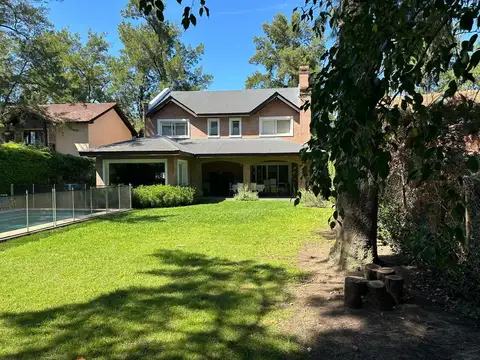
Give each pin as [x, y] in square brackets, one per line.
[162, 196]
[21, 164]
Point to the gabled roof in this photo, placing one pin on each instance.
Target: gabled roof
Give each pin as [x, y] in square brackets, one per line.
[197, 147]
[85, 112]
[80, 112]
[230, 102]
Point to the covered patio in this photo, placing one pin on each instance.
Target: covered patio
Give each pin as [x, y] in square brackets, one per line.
[215, 167]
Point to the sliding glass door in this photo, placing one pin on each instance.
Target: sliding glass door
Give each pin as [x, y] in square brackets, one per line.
[272, 179]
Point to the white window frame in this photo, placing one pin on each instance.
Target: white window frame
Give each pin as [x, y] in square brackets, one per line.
[106, 166]
[230, 126]
[185, 162]
[217, 120]
[270, 118]
[159, 128]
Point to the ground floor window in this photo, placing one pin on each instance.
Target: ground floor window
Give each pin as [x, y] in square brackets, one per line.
[34, 137]
[137, 173]
[272, 178]
[182, 172]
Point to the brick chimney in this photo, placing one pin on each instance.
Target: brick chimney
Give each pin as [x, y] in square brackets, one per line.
[303, 78]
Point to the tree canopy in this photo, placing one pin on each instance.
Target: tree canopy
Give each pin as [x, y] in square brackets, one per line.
[285, 47]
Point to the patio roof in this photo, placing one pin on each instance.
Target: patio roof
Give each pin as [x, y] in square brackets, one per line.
[197, 147]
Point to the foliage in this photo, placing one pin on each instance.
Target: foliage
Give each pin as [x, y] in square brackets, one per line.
[282, 50]
[245, 194]
[156, 8]
[23, 164]
[152, 196]
[361, 81]
[153, 58]
[309, 199]
[176, 274]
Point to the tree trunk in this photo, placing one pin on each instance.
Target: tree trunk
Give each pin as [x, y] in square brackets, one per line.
[356, 240]
[394, 286]
[379, 294]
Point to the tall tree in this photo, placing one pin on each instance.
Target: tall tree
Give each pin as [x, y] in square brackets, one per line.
[153, 58]
[384, 49]
[285, 47]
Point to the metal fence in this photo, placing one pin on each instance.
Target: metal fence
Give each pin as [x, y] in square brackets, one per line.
[20, 214]
[20, 189]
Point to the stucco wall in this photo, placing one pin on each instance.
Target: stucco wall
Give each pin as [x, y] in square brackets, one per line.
[107, 129]
[250, 124]
[67, 135]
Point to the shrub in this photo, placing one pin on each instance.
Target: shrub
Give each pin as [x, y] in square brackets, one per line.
[22, 164]
[244, 194]
[153, 196]
[310, 200]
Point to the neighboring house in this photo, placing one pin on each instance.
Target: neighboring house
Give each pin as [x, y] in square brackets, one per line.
[74, 127]
[215, 140]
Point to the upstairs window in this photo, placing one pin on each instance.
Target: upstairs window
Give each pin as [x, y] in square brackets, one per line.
[276, 126]
[176, 128]
[214, 127]
[235, 128]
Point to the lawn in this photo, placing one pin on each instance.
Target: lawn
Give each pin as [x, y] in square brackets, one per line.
[199, 282]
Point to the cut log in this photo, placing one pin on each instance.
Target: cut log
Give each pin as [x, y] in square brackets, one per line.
[379, 295]
[394, 286]
[382, 272]
[355, 287]
[370, 271]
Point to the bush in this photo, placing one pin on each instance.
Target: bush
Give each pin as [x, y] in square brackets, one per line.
[22, 164]
[244, 194]
[310, 200]
[157, 196]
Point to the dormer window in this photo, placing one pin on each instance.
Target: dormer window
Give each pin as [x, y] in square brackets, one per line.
[276, 126]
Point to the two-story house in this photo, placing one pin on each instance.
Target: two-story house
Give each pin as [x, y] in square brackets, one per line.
[215, 141]
[68, 128]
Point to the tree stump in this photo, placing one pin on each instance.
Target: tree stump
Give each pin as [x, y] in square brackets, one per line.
[394, 286]
[379, 295]
[370, 271]
[355, 287]
[382, 272]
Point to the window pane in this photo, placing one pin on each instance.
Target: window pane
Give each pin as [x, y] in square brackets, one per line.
[167, 129]
[213, 128]
[235, 129]
[268, 127]
[180, 129]
[283, 173]
[283, 126]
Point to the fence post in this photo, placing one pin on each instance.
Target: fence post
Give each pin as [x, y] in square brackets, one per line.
[106, 198]
[11, 189]
[73, 203]
[130, 194]
[33, 195]
[26, 208]
[91, 202]
[53, 209]
[118, 188]
[54, 206]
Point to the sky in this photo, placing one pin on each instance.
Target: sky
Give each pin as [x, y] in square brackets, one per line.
[227, 34]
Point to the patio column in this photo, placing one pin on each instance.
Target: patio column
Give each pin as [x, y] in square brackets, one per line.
[246, 174]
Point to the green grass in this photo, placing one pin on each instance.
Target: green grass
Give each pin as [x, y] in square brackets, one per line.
[199, 282]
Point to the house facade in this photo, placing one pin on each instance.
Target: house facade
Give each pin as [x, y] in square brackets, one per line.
[215, 141]
[74, 127]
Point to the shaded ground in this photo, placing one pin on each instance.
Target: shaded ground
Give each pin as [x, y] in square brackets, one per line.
[414, 330]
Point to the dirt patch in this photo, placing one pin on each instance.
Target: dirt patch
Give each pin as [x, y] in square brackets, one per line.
[414, 330]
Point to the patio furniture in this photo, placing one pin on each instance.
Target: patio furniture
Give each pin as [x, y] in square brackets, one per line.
[253, 186]
[260, 187]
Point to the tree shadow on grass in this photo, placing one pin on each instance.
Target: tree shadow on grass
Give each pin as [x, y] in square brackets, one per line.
[133, 218]
[202, 308]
